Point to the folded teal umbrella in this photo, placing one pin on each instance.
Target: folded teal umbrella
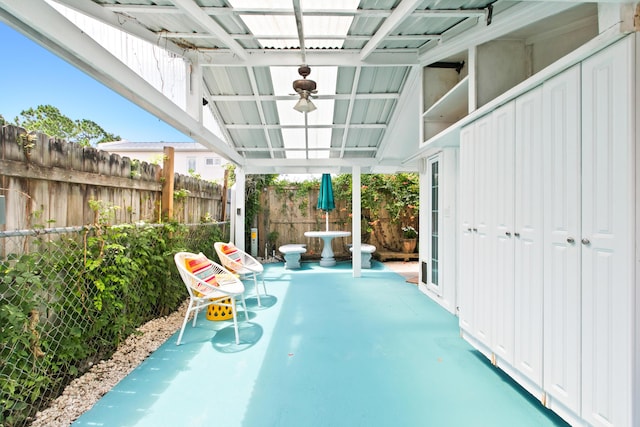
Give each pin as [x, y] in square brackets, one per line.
[325, 198]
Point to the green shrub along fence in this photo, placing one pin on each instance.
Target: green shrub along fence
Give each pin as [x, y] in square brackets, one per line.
[69, 296]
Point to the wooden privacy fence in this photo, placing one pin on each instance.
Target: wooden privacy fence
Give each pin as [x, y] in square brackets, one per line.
[287, 213]
[49, 182]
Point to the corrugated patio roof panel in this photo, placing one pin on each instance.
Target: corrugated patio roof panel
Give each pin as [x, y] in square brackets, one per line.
[239, 113]
[371, 111]
[249, 138]
[382, 79]
[340, 111]
[227, 81]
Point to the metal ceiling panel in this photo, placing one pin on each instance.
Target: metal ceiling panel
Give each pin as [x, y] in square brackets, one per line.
[227, 81]
[249, 138]
[248, 85]
[382, 79]
[270, 113]
[372, 111]
[344, 80]
[263, 80]
[238, 112]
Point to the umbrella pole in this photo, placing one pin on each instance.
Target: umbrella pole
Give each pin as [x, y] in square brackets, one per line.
[327, 220]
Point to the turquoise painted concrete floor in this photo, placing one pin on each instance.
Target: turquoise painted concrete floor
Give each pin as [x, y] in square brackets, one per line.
[326, 349]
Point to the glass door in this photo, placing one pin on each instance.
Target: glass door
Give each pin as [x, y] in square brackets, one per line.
[433, 165]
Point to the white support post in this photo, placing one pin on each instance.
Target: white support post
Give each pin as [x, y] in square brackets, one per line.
[239, 213]
[356, 214]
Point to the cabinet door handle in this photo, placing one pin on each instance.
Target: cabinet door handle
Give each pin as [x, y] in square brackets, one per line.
[475, 229]
[508, 233]
[586, 241]
[571, 240]
[469, 230]
[516, 234]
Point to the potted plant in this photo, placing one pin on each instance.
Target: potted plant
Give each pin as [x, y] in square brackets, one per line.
[410, 238]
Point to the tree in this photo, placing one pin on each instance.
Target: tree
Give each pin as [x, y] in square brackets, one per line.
[50, 121]
[90, 132]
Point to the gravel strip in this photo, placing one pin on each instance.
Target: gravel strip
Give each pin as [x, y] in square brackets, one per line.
[83, 392]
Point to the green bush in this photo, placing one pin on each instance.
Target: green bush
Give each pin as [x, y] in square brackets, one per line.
[70, 302]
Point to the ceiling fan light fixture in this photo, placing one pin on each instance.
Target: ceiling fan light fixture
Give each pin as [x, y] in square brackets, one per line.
[304, 106]
[305, 88]
[304, 85]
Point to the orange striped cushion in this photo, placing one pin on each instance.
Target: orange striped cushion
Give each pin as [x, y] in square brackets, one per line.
[228, 249]
[202, 268]
[232, 252]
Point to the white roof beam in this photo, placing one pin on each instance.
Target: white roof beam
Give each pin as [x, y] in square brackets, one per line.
[201, 36]
[340, 97]
[352, 99]
[261, 58]
[298, 14]
[318, 164]
[327, 126]
[400, 13]
[193, 11]
[367, 13]
[284, 149]
[388, 138]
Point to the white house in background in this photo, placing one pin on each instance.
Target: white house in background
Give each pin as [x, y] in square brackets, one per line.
[190, 157]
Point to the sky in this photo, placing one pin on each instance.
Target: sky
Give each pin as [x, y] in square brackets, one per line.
[30, 76]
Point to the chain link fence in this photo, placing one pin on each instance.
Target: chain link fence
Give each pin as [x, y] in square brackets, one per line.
[69, 296]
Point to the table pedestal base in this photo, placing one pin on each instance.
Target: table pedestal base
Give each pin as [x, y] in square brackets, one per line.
[327, 259]
[329, 262]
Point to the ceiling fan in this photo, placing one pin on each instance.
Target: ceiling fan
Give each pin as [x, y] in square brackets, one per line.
[306, 88]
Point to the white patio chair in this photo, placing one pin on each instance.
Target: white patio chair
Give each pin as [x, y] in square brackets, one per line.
[240, 262]
[208, 283]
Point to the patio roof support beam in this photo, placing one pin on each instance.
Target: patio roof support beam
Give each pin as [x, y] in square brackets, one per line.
[284, 58]
[352, 98]
[403, 105]
[328, 126]
[298, 14]
[399, 14]
[337, 97]
[357, 13]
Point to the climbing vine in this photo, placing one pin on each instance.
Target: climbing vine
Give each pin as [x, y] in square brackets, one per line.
[398, 194]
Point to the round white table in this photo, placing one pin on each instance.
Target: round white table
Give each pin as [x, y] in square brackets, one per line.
[327, 259]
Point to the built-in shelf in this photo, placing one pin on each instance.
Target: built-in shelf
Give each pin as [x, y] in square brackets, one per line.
[446, 110]
[494, 79]
[448, 136]
[452, 106]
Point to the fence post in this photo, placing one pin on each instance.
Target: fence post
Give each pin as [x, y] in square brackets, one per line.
[224, 196]
[167, 183]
